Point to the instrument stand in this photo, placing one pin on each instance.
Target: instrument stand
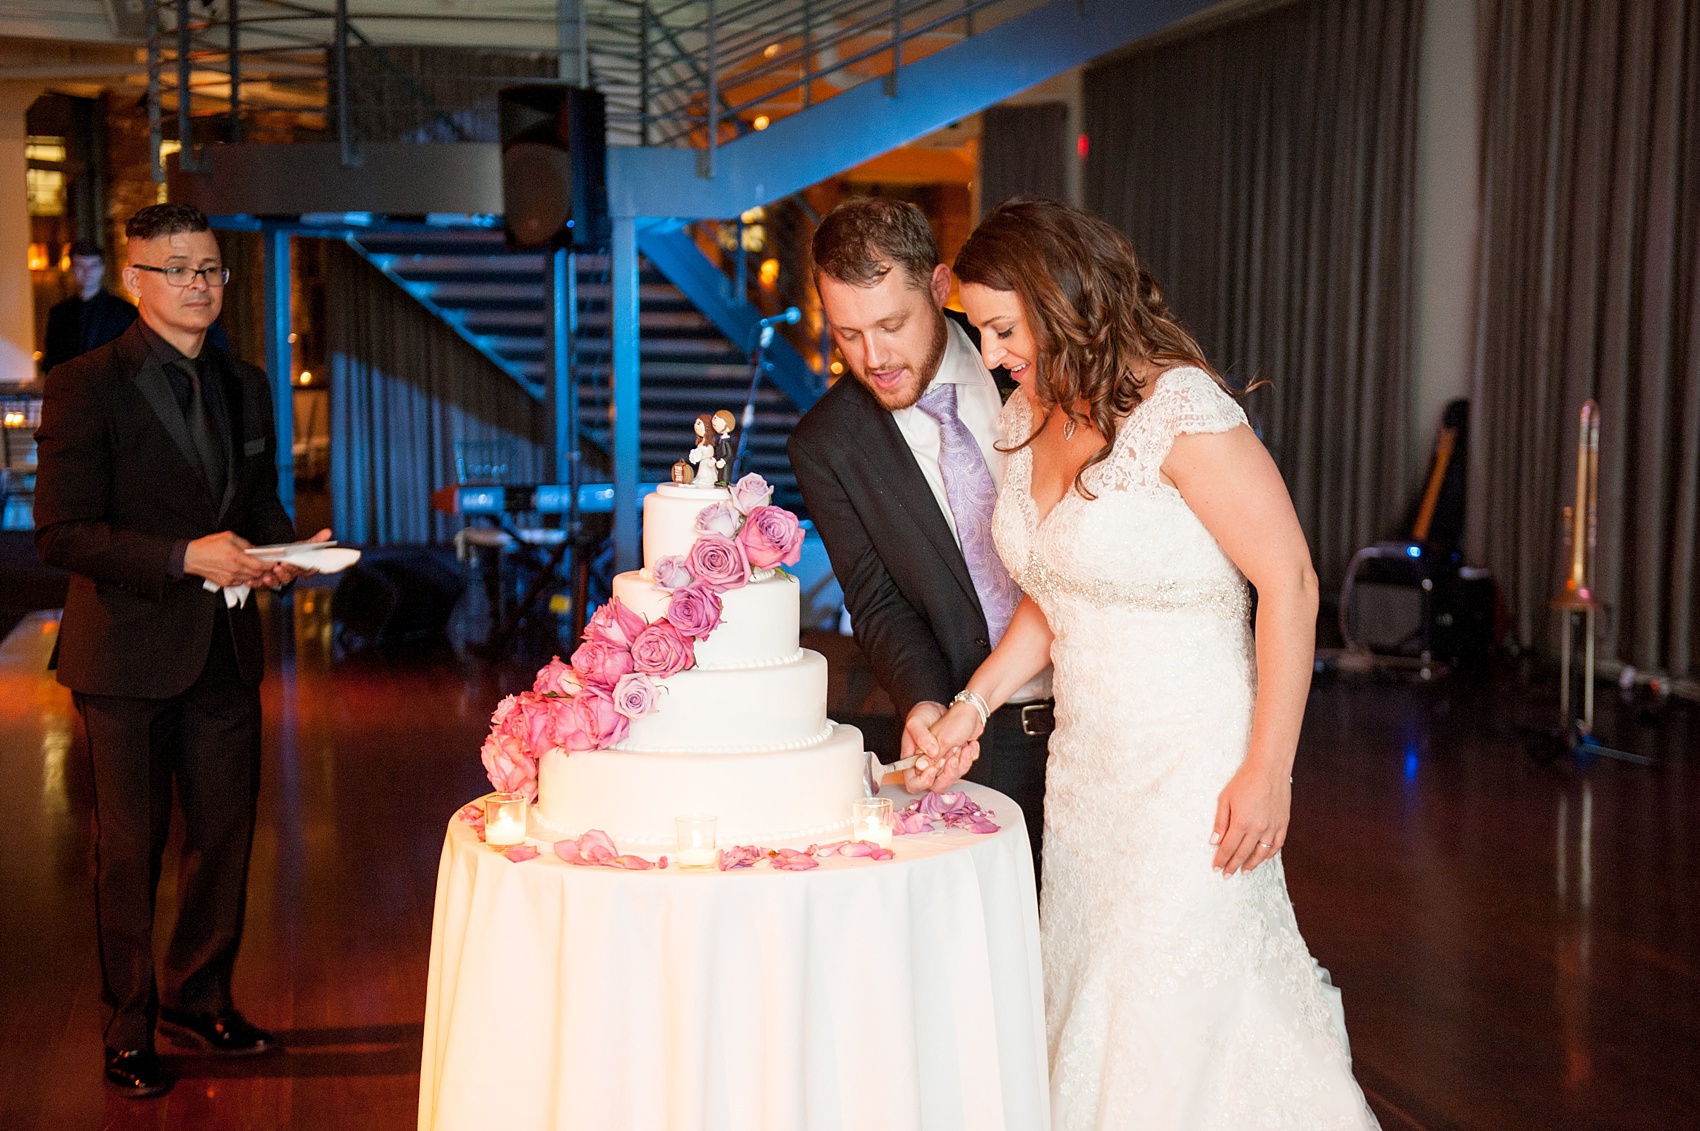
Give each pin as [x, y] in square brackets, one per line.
[1575, 732]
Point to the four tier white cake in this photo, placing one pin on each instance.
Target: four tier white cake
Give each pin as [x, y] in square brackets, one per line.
[742, 735]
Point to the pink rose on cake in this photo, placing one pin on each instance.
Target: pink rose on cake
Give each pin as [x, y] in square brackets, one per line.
[599, 663]
[662, 650]
[557, 678]
[718, 562]
[614, 624]
[532, 721]
[771, 536]
[510, 768]
[634, 696]
[750, 492]
[590, 721]
[694, 610]
[672, 573]
[717, 518]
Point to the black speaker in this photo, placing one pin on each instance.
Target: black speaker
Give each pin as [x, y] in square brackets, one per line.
[554, 166]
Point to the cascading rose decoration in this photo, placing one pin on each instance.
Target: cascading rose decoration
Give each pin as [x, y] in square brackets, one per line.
[589, 702]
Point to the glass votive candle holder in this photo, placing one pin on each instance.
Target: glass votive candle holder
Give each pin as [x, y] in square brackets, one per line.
[694, 843]
[871, 819]
[504, 819]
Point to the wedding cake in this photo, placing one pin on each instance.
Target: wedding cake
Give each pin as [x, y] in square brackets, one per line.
[690, 693]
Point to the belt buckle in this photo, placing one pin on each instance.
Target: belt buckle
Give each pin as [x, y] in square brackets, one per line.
[1028, 711]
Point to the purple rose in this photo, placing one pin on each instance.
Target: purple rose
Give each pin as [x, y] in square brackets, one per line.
[771, 536]
[662, 650]
[718, 562]
[671, 572]
[750, 492]
[614, 624]
[694, 610]
[717, 518]
[601, 664]
[634, 696]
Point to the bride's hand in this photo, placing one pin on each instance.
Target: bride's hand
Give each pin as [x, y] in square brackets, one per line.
[955, 742]
[1252, 812]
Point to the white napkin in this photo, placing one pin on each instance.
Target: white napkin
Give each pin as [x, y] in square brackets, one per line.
[320, 557]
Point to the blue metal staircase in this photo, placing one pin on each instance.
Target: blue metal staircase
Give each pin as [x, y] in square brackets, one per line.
[494, 298]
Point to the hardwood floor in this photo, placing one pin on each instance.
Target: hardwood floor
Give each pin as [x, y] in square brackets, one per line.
[1518, 943]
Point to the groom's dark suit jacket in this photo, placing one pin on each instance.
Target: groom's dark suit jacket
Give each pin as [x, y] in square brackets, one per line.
[119, 487]
[912, 602]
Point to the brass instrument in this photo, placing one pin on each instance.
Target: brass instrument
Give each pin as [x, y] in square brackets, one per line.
[1577, 600]
[1581, 522]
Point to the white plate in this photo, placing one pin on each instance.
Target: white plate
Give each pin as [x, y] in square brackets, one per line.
[285, 549]
[332, 560]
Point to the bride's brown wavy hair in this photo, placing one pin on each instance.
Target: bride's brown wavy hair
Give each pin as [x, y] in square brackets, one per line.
[1098, 317]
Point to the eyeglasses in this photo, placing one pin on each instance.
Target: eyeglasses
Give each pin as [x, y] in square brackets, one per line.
[180, 276]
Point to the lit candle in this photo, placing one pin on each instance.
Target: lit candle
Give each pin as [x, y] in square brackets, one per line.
[504, 819]
[871, 820]
[695, 840]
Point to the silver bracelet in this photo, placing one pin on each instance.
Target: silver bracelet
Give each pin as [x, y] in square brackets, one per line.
[977, 701]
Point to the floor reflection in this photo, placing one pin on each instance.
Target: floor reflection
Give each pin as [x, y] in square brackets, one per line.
[1487, 984]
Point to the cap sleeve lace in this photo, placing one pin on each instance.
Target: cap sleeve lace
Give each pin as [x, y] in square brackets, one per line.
[1183, 400]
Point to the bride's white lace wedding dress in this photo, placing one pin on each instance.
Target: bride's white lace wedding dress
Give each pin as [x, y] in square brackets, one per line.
[1174, 998]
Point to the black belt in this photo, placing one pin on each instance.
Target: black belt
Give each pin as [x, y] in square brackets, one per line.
[1036, 718]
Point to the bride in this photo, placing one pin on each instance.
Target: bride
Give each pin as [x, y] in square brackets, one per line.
[1135, 505]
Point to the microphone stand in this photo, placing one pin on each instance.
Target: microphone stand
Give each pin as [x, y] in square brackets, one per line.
[758, 366]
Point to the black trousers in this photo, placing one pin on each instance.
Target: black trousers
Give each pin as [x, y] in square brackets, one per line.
[207, 742]
[1013, 763]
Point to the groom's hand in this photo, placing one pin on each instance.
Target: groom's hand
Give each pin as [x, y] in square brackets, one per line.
[919, 743]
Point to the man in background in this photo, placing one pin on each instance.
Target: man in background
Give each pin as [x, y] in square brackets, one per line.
[88, 319]
[156, 473]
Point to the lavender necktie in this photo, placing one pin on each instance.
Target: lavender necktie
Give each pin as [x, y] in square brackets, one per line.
[972, 494]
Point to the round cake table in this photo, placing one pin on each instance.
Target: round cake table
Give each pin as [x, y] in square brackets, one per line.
[897, 995]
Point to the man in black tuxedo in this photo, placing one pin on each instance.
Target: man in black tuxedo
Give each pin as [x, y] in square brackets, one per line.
[885, 461]
[156, 472]
[88, 319]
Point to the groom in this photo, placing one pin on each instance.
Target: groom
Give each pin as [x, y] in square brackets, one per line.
[899, 468]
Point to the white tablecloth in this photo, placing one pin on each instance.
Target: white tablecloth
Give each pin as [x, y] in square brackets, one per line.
[899, 995]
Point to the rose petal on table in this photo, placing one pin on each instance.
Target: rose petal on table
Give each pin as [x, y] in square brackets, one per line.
[472, 814]
[520, 853]
[743, 856]
[910, 822]
[791, 860]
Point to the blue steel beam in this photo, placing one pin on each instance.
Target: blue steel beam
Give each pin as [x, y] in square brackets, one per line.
[675, 254]
[280, 360]
[849, 128]
[623, 304]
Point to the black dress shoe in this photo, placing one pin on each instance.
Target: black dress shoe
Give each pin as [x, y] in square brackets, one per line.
[137, 1073]
[226, 1032]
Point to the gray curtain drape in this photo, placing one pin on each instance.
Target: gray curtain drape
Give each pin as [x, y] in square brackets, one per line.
[1023, 150]
[1265, 170]
[404, 389]
[1589, 286]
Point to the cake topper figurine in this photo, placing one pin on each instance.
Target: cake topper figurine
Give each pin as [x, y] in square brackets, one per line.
[724, 450]
[707, 469]
[681, 471]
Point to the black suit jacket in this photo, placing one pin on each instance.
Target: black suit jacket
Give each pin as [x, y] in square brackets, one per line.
[108, 317]
[912, 602]
[117, 487]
